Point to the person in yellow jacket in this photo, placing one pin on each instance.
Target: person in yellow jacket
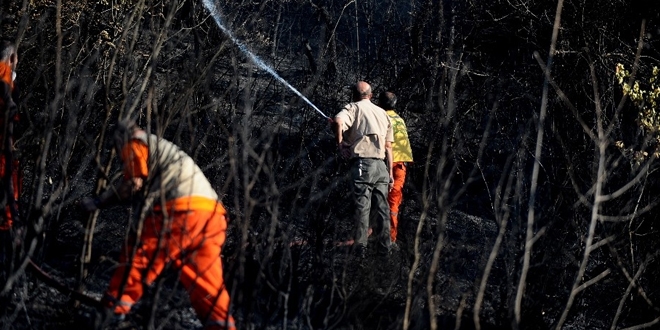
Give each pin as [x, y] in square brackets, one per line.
[401, 155]
[185, 226]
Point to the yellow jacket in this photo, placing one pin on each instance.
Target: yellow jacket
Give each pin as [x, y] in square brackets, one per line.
[401, 150]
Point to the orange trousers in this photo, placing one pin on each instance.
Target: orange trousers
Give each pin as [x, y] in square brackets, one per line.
[193, 243]
[395, 196]
[6, 218]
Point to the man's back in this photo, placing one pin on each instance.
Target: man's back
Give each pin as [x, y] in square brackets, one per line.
[173, 171]
[367, 128]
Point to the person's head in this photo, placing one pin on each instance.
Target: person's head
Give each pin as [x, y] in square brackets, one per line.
[387, 100]
[361, 91]
[8, 53]
[123, 132]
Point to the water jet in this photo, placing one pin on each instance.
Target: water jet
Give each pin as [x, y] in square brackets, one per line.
[210, 6]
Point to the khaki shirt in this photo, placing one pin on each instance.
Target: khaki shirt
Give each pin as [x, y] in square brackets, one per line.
[366, 128]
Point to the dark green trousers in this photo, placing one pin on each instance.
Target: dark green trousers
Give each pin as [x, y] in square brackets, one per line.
[370, 186]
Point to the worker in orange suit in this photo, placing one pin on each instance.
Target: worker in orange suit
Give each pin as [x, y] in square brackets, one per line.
[184, 226]
[401, 156]
[9, 173]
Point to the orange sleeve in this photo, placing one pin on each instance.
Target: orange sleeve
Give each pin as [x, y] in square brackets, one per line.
[5, 75]
[134, 155]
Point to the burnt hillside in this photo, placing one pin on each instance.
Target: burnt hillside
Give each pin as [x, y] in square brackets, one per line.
[529, 205]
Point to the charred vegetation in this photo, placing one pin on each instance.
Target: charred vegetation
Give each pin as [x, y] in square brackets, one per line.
[521, 210]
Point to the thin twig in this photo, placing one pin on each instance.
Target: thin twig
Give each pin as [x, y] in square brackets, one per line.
[531, 211]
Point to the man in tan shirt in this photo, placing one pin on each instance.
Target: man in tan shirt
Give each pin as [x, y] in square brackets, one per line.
[364, 134]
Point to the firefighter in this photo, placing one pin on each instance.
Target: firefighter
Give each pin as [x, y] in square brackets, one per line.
[401, 156]
[363, 133]
[184, 225]
[9, 174]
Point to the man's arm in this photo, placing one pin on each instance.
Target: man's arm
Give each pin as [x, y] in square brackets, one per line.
[120, 191]
[389, 138]
[337, 125]
[10, 111]
[344, 150]
[134, 156]
[388, 154]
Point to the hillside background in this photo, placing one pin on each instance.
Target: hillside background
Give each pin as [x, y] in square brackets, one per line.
[531, 203]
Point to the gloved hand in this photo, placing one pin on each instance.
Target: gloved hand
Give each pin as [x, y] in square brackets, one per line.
[344, 150]
[100, 318]
[109, 319]
[89, 204]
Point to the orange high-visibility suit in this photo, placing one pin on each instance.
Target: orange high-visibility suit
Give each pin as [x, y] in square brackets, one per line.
[9, 174]
[401, 154]
[186, 229]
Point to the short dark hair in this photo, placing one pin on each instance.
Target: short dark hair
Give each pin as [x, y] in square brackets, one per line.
[7, 49]
[123, 132]
[387, 100]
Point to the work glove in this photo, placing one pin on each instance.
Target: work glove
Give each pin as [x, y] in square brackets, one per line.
[344, 150]
[106, 318]
[99, 318]
[89, 204]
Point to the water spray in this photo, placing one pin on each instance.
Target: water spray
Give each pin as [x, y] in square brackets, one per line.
[210, 6]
